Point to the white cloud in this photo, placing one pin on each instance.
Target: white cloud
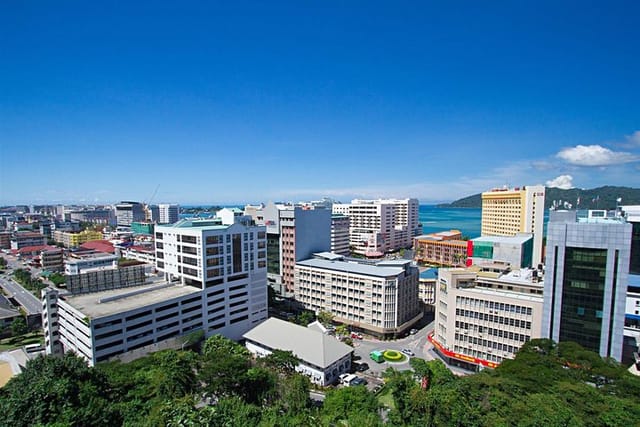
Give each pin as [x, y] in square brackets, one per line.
[634, 138]
[595, 155]
[564, 182]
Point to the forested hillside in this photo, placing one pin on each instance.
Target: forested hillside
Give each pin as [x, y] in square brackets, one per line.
[575, 198]
[546, 385]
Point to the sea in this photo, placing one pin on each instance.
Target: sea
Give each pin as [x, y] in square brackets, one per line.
[467, 220]
[435, 219]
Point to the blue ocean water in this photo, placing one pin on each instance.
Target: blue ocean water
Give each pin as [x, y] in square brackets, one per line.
[435, 219]
[467, 220]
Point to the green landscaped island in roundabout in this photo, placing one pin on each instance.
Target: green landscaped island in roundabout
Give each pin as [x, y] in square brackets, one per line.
[393, 356]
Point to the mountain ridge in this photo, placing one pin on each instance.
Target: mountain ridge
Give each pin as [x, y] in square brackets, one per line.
[575, 198]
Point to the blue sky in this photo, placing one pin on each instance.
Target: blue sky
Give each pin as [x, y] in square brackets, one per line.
[231, 102]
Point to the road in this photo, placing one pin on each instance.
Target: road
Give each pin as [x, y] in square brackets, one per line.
[30, 303]
[12, 289]
[417, 343]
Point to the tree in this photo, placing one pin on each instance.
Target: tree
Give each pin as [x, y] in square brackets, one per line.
[282, 361]
[219, 346]
[325, 318]
[342, 330]
[19, 327]
[304, 318]
[348, 405]
[61, 390]
[173, 375]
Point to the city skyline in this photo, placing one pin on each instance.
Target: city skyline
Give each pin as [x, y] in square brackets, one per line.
[226, 104]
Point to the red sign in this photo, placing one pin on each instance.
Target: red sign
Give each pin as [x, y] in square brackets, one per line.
[459, 356]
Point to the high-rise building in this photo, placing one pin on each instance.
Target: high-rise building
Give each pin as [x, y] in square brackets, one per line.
[294, 233]
[227, 261]
[340, 235]
[214, 280]
[128, 212]
[168, 213]
[380, 298]
[509, 212]
[484, 314]
[379, 226]
[587, 265]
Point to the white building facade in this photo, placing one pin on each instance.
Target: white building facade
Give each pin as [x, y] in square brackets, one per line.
[227, 262]
[484, 316]
[379, 226]
[380, 299]
[168, 213]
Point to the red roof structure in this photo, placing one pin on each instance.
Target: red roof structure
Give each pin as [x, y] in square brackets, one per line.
[99, 245]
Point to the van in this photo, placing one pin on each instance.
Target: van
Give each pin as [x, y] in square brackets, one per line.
[345, 379]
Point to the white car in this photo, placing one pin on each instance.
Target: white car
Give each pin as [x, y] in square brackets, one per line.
[407, 352]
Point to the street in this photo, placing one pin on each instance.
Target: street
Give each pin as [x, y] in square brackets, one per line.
[26, 299]
[417, 343]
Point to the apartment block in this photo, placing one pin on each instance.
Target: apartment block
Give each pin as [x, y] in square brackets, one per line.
[507, 212]
[445, 248]
[294, 233]
[485, 314]
[379, 226]
[381, 299]
[586, 280]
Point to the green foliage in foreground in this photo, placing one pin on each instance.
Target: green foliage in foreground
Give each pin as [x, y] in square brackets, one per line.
[547, 384]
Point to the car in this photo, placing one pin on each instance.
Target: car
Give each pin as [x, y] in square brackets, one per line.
[357, 381]
[355, 335]
[361, 367]
[407, 352]
[413, 331]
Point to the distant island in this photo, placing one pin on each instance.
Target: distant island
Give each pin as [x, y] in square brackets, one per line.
[575, 198]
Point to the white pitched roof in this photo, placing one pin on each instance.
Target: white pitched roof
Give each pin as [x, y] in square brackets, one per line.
[307, 344]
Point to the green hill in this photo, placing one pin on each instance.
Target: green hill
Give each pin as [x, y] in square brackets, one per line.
[596, 198]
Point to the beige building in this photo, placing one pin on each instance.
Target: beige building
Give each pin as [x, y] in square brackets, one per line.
[445, 248]
[381, 299]
[519, 210]
[485, 314]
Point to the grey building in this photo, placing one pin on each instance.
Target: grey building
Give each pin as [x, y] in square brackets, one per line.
[586, 280]
[128, 212]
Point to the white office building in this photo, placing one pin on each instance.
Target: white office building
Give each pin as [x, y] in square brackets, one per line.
[381, 299]
[168, 213]
[485, 314]
[379, 226]
[214, 280]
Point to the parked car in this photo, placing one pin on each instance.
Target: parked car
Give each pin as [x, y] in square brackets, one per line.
[408, 352]
[358, 381]
[356, 336]
[361, 367]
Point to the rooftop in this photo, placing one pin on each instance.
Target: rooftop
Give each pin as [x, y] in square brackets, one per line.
[202, 224]
[309, 345]
[352, 267]
[520, 238]
[106, 303]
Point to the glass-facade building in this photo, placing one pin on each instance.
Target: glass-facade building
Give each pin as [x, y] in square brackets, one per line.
[585, 281]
